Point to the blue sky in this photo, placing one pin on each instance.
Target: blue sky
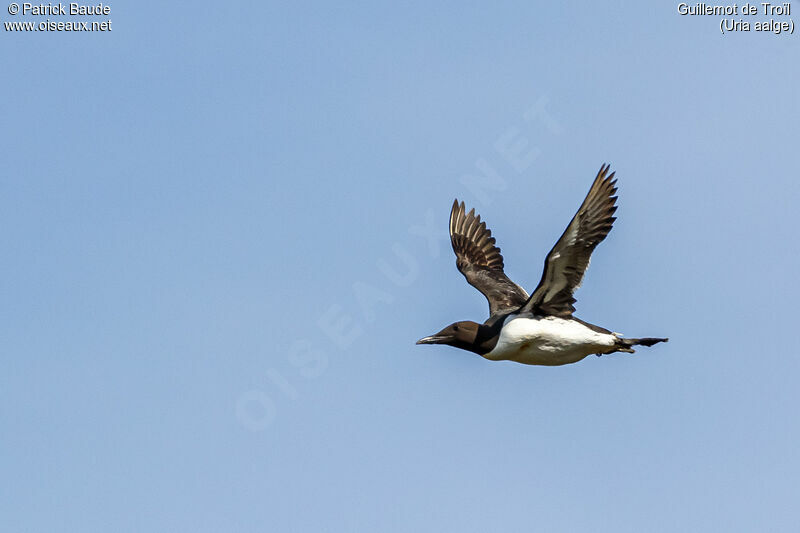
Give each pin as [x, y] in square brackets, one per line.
[225, 227]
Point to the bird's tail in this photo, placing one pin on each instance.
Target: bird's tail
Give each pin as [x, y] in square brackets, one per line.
[626, 345]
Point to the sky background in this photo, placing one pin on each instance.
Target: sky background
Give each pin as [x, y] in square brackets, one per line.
[225, 227]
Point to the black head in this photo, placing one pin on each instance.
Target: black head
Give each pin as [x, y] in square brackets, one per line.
[466, 335]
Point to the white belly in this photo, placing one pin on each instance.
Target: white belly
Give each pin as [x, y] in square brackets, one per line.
[547, 341]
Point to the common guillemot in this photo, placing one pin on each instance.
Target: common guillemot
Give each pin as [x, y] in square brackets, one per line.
[538, 329]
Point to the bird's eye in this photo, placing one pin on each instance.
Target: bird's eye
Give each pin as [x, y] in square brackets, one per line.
[455, 328]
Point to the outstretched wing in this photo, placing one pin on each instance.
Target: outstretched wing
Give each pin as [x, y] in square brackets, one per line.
[567, 262]
[480, 261]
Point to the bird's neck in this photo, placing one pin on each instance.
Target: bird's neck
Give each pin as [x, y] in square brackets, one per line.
[486, 338]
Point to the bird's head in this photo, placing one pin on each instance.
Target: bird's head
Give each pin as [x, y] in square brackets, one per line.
[460, 334]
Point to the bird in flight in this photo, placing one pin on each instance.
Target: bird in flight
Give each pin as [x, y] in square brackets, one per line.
[538, 329]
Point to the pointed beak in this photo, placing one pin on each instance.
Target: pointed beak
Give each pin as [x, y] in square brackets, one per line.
[434, 339]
